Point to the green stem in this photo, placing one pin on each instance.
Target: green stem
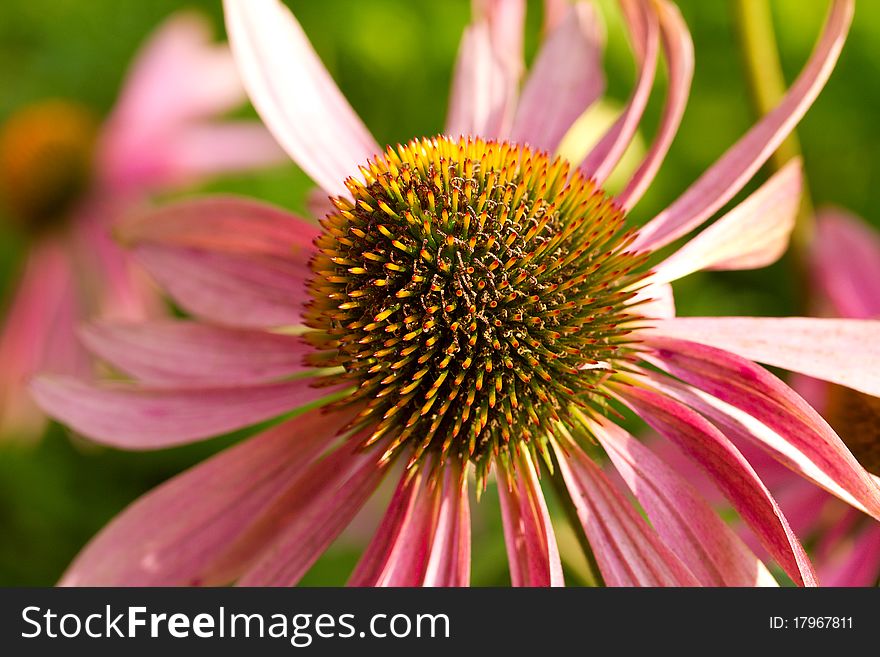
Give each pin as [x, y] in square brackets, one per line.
[563, 496]
[754, 22]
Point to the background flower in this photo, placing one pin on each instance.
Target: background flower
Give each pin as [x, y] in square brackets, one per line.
[66, 182]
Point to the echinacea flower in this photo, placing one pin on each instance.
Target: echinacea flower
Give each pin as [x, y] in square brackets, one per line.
[845, 262]
[473, 306]
[65, 181]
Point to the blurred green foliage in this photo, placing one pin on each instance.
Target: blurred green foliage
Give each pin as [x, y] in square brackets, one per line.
[393, 59]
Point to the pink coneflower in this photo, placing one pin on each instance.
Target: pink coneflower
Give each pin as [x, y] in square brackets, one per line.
[473, 306]
[65, 180]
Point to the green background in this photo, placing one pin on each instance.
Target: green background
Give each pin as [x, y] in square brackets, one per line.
[393, 59]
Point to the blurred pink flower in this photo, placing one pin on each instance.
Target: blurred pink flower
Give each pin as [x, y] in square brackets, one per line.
[473, 305]
[66, 182]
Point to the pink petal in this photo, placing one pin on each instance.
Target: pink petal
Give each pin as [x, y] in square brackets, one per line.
[38, 334]
[483, 87]
[115, 287]
[731, 472]
[229, 224]
[211, 149]
[730, 173]
[184, 353]
[642, 23]
[531, 543]
[655, 301]
[857, 566]
[754, 234]
[564, 81]
[230, 260]
[751, 405]
[843, 351]
[319, 204]
[179, 62]
[450, 561]
[399, 553]
[628, 551]
[233, 290]
[678, 50]
[685, 522]
[295, 95]
[133, 417]
[846, 262]
[424, 538]
[291, 534]
[167, 537]
[554, 13]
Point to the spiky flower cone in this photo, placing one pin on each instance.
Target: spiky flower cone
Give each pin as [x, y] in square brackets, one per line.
[475, 293]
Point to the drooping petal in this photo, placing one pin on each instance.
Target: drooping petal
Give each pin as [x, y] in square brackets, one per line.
[685, 522]
[287, 538]
[185, 353]
[723, 462]
[751, 405]
[531, 543]
[483, 87]
[846, 262]
[734, 169]
[641, 19]
[450, 561]
[133, 417]
[294, 94]
[564, 81]
[167, 537]
[752, 235]
[628, 551]
[843, 351]
[678, 50]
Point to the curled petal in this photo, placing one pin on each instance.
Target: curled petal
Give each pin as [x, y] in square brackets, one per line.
[184, 353]
[678, 49]
[168, 536]
[685, 522]
[643, 25]
[628, 551]
[531, 543]
[752, 235]
[846, 263]
[294, 94]
[843, 351]
[132, 417]
[564, 81]
[734, 169]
